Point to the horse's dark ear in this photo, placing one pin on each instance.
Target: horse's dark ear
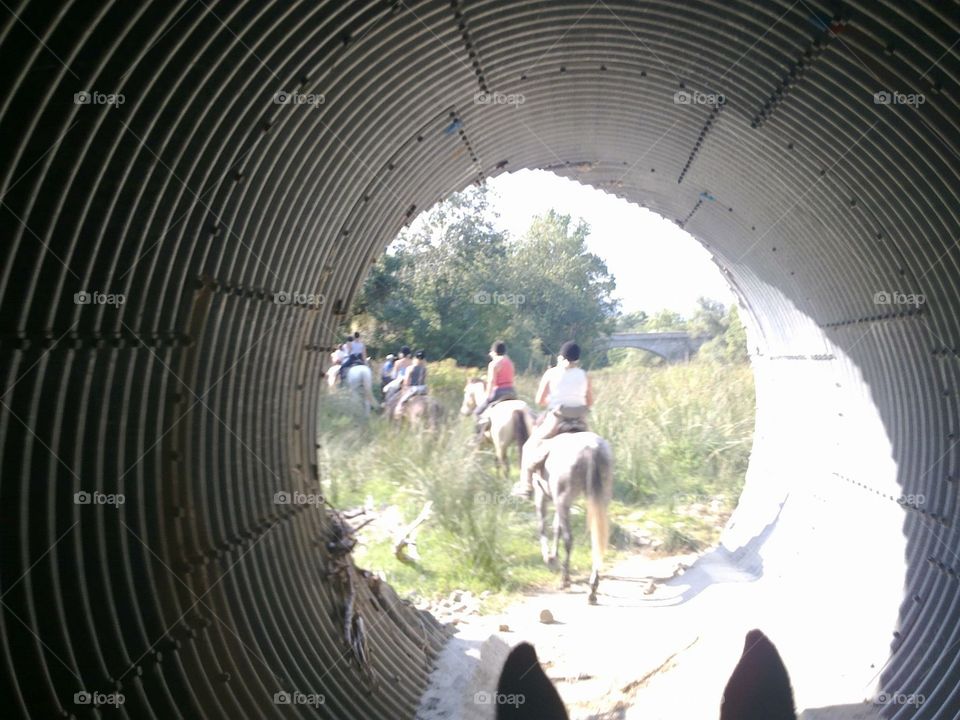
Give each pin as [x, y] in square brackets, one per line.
[759, 688]
[524, 691]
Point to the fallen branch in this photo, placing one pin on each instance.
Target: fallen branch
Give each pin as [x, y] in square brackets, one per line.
[405, 547]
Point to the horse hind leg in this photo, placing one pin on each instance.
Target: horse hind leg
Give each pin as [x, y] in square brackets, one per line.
[541, 501]
[563, 522]
[594, 584]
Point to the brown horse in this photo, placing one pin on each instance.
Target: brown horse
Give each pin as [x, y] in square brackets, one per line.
[418, 411]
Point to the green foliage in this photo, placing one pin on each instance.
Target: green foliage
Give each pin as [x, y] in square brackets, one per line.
[666, 321]
[677, 430]
[729, 346]
[454, 284]
[635, 321]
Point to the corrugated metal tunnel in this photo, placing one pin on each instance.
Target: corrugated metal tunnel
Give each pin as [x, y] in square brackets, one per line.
[200, 158]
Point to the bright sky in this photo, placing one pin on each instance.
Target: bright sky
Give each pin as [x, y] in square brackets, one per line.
[657, 265]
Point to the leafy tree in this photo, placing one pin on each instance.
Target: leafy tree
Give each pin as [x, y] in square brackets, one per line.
[566, 289]
[730, 345]
[666, 321]
[635, 321]
[709, 319]
[455, 283]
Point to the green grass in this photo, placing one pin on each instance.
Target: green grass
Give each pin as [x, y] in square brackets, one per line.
[679, 432]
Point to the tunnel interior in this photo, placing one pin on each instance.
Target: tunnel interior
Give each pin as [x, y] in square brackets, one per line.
[170, 168]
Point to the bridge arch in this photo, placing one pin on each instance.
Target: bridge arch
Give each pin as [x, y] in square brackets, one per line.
[231, 170]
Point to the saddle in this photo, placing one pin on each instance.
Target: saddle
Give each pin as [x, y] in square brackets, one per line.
[571, 419]
[505, 396]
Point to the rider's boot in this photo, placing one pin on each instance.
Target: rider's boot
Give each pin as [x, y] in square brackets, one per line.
[523, 488]
[482, 424]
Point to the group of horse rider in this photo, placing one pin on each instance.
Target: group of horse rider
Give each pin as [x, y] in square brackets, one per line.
[406, 374]
[564, 391]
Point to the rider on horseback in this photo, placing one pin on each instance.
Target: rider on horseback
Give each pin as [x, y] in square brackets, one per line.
[499, 382]
[356, 354]
[400, 368]
[414, 381]
[566, 392]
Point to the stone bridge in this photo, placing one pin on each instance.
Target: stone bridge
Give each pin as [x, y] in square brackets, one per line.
[671, 346]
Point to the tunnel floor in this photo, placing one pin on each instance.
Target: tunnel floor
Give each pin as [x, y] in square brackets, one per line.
[641, 655]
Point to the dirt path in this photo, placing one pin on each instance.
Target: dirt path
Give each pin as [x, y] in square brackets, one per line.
[630, 657]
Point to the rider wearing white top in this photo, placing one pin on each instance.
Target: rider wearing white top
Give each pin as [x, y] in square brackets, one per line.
[566, 393]
[567, 386]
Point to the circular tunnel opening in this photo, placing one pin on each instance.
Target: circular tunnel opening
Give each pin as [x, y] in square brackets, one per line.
[193, 195]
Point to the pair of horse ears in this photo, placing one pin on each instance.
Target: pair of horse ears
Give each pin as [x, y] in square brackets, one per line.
[758, 689]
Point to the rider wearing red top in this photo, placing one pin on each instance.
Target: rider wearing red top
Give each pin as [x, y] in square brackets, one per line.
[499, 377]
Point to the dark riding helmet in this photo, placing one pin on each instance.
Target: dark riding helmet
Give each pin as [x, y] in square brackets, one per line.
[420, 355]
[570, 351]
[405, 351]
[499, 347]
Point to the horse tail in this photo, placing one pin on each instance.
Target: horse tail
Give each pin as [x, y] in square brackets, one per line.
[599, 489]
[520, 432]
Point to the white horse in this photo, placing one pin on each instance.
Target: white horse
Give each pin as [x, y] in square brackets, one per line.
[579, 463]
[359, 380]
[510, 421]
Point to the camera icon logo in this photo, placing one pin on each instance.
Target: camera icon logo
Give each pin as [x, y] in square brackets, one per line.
[682, 97]
[481, 98]
[882, 98]
[82, 698]
[281, 98]
[481, 297]
[82, 498]
[482, 697]
[282, 298]
[281, 698]
[82, 98]
[82, 298]
[882, 298]
[281, 498]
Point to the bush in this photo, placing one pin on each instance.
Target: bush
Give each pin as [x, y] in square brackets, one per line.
[677, 430]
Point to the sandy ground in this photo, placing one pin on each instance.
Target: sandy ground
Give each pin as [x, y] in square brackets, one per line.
[637, 655]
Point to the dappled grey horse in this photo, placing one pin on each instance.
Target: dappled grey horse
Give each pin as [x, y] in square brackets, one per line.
[578, 463]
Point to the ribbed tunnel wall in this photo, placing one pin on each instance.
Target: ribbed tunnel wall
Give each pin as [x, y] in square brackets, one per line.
[200, 198]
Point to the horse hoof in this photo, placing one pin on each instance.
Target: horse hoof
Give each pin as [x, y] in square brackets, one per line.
[565, 584]
[592, 599]
[552, 563]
